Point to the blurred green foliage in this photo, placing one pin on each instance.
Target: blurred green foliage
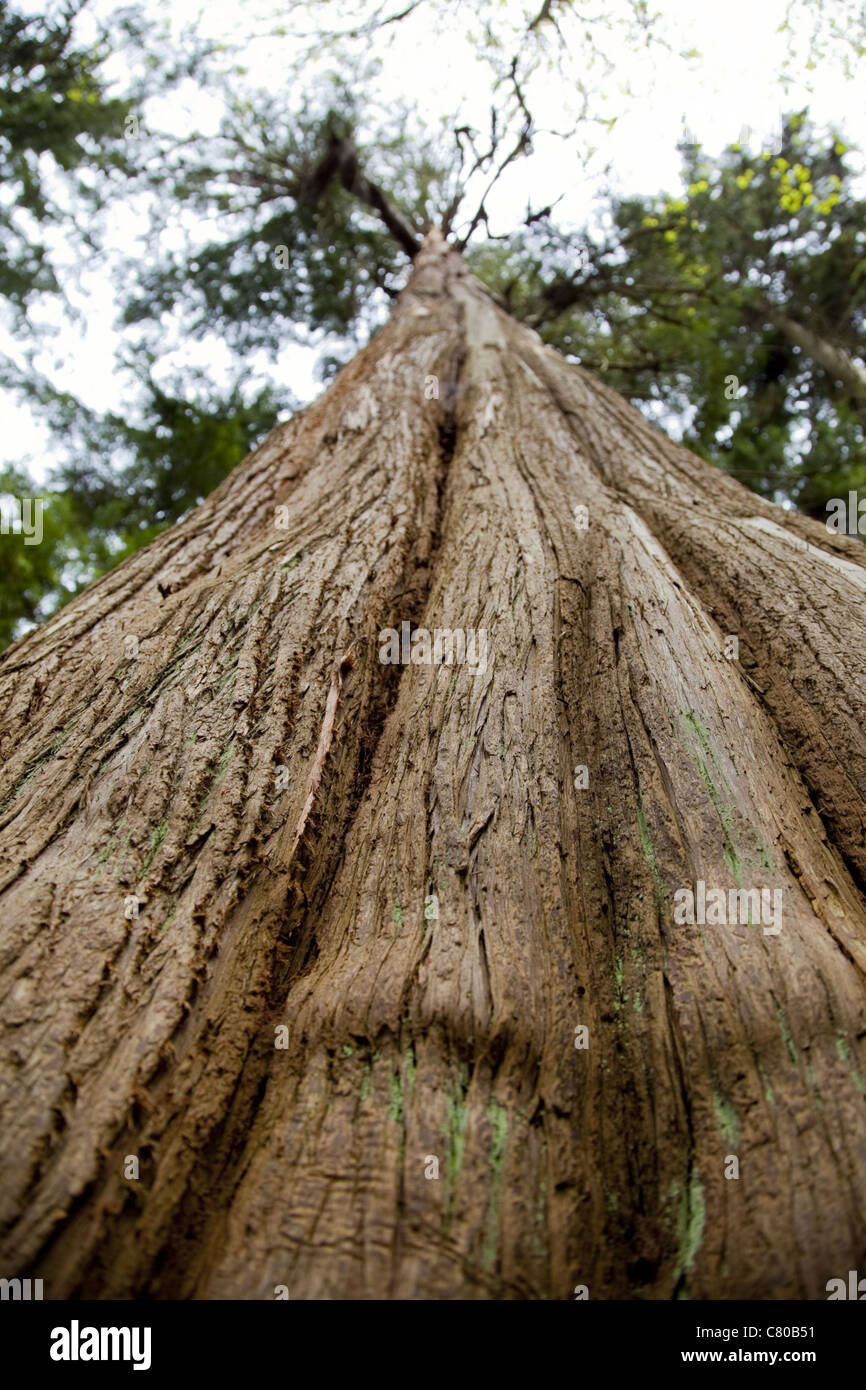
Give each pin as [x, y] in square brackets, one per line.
[30, 572]
[54, 104]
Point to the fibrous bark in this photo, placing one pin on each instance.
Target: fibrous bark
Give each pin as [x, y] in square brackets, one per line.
[412, 1036]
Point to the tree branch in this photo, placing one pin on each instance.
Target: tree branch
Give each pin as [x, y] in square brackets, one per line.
[340, 161]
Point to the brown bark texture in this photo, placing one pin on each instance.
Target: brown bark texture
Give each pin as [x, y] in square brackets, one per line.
[400, 866]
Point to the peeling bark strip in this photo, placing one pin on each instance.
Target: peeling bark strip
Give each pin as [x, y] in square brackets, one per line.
[324, 744]
[578, 1069]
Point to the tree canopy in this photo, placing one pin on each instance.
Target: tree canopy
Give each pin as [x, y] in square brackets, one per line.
[729, 309]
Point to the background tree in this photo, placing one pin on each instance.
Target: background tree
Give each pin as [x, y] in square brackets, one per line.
[66, 139]
[55, 105]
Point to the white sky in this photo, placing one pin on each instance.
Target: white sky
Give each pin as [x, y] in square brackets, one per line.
[431, 62]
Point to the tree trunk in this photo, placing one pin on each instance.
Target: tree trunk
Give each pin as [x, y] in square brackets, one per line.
[416, 1039]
